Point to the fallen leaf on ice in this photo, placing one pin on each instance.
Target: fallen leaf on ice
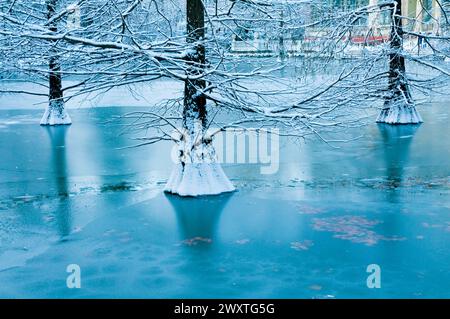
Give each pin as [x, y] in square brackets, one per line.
[196, 240]
[315, 287]
[301, 245]
[356, 229]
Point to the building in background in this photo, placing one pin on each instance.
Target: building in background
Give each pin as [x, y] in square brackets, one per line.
[369, 28]
[420, 15]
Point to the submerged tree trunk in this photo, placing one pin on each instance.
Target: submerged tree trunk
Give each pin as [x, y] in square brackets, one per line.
[55, 113]
[198, 172]
[399, 106]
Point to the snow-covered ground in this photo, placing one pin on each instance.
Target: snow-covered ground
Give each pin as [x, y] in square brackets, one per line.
[69, 195]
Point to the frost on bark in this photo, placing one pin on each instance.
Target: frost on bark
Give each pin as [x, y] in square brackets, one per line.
[198, 172]
[399, 107]
[55, 113]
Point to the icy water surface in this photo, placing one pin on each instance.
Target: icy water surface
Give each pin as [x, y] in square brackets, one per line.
[72, 196]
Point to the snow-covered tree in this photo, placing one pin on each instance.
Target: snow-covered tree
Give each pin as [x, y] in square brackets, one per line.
[37, 59]
[123, 42]
[55, 113]
[398, 106]
[197, 168]
[402, 52]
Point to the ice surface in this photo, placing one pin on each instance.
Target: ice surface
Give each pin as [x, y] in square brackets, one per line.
[71, 194]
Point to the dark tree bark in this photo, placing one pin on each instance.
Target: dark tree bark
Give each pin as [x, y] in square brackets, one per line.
[55, 113]
[198, 172]
[398, 86]
[281, 48]
[55, 81]
[399, 105]
[194, 100]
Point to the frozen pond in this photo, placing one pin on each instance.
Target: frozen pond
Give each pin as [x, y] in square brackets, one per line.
[71, 196]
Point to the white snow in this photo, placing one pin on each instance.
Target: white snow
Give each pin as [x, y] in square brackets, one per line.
[400, 113]
[198, 172]
[196, 179]
[55, 114]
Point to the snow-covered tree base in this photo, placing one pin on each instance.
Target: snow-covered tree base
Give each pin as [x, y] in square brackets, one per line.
[55, 115]
[197, 179]
[400, 114]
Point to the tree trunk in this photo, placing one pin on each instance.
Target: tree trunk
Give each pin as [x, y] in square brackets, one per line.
[399, 106]
[194, 110]
[197, 172]
[55, 113]
[281, 46]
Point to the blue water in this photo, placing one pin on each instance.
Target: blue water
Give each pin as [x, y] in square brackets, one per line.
[73, 196]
